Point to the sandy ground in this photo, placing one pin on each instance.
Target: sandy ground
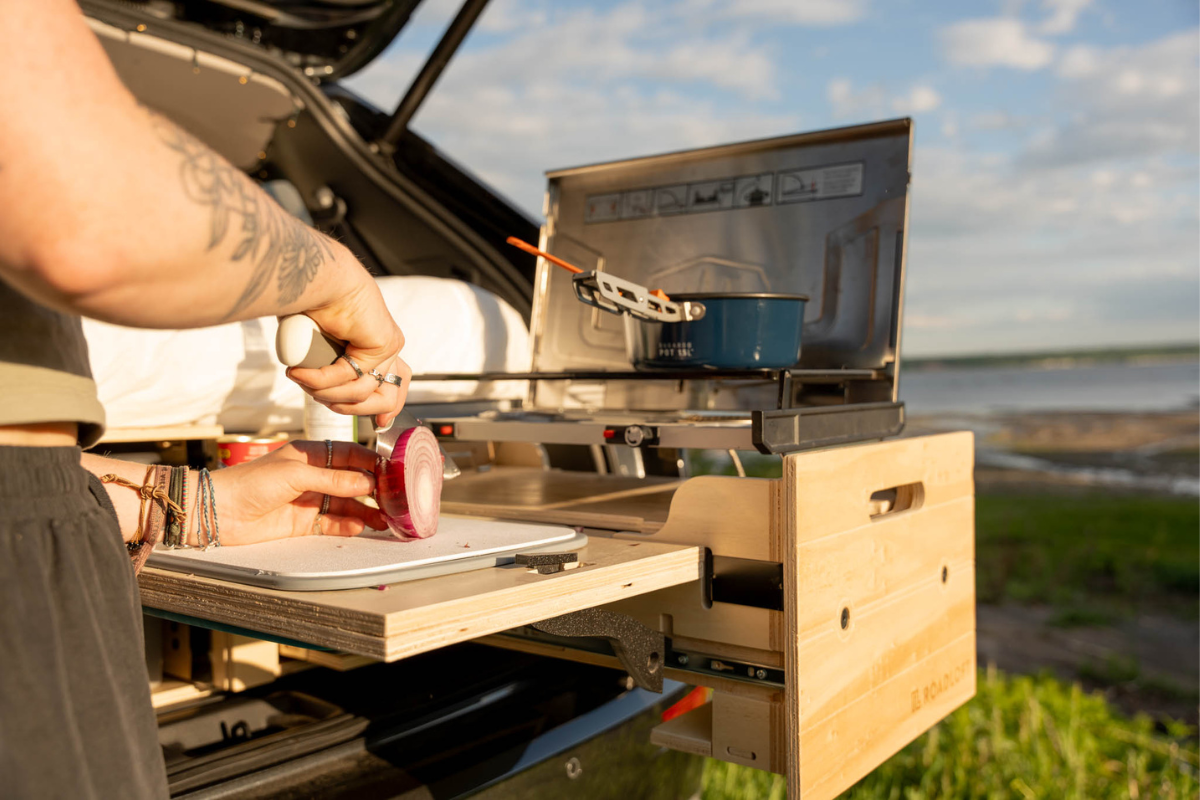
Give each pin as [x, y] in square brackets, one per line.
[1167, 652]
[1155, 452]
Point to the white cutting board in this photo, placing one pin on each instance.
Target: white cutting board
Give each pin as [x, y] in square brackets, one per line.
[311, 563]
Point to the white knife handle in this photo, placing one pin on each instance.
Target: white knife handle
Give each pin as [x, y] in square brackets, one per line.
[299, 342]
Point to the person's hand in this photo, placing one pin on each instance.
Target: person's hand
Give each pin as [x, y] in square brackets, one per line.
[361, 319]
[280, 494]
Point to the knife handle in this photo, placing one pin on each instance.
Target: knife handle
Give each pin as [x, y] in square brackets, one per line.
[299, 342]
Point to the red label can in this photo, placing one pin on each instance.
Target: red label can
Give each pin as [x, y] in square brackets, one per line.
[239, 449]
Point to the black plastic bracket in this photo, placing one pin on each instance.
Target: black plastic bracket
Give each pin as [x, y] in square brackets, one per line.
[639, 649]
[795, 429]
[741, 581]
[745, 582]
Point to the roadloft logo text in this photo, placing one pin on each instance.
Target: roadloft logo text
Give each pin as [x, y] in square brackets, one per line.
[928, 693]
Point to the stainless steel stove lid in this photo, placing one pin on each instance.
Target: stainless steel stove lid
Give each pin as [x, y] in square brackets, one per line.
[821, 215]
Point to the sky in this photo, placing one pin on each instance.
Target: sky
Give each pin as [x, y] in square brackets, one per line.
[1055, 200]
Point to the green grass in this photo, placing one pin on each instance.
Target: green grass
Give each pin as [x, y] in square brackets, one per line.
[1021, 737]
[1093, 556]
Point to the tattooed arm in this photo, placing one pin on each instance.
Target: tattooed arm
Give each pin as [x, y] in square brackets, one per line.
[111, 212]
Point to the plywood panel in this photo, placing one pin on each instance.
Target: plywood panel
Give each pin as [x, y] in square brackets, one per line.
[864, 682]
[679, 612]
[748, 731]
[875, 562]
[839, 750]
[560, 497]
[417, 616]
[734, 517]
[534, 488]
[166, 433]
[689, 733]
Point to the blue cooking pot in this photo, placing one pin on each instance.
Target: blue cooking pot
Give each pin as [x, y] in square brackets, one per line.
[725, 331]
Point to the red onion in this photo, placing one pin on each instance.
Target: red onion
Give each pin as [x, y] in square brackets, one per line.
[408, 485]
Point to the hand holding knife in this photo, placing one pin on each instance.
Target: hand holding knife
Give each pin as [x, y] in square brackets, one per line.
[301, 343]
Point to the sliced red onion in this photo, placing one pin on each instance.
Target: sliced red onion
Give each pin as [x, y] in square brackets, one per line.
[408, 485]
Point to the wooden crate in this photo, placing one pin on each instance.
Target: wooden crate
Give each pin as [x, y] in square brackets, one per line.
[877, 635]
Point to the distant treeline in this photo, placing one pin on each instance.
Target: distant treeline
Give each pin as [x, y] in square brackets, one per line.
[1061, 358]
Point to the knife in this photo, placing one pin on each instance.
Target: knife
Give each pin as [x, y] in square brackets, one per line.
[300, 342]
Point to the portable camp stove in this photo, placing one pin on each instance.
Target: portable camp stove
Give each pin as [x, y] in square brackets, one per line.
[819, 214]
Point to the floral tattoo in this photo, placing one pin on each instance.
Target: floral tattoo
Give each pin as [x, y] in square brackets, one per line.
[274, 242]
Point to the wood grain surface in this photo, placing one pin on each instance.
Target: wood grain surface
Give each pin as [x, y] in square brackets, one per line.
[417, 616]
[878, 646]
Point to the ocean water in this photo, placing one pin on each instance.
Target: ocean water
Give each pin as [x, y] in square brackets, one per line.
[966, 399]
[1105, 387]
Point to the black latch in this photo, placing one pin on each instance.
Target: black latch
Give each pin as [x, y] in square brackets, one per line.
[546, 563]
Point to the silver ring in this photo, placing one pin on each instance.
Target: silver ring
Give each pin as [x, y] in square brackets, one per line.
[377, 376]
[324, 506]
[317, 529]
[357, 369]
[393, 379]
[328, 453]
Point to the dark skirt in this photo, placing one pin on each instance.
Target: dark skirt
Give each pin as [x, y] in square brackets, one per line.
[75, 713]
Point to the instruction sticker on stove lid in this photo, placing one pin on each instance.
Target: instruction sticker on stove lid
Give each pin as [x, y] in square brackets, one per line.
[726, 194]
[820, 183]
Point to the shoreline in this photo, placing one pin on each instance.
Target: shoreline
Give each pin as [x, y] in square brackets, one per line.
[1139, 451]
[1058, 359]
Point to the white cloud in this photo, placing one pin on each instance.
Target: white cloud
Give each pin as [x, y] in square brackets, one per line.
[733, 63]
[1079, 61]
[1088, 235]
[919, 99]
[994, 42]
[1007, 256]
[848, 102]
[994, 121]
[1126, 102]
[810, 13]
[1063, 14]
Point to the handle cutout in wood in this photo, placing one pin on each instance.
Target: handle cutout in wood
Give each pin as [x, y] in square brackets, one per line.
[887, 502]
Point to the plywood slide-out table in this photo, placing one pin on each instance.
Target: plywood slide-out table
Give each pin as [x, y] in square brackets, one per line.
[875, 641]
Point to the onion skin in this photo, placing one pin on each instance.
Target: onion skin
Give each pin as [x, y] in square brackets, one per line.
[408, 486]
